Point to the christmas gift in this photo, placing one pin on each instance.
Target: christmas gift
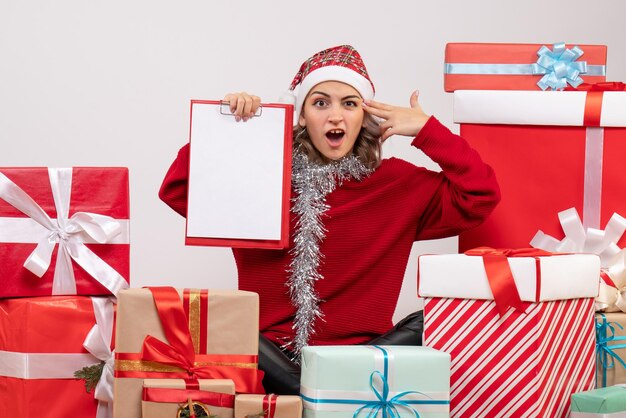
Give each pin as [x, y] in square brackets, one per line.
[552, 151]
[63, 231]
[518, 325]
[184, 334]
[268, 406]
[45, 343]
[610, 348]
[174, 398]
[489, 66]
[609, 402]
[345, 381]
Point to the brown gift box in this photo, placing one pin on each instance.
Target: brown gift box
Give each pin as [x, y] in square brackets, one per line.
[165, 409]
[252, 405]
[617, 373]
[229, 328]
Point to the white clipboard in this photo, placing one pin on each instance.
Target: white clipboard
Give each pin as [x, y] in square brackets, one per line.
[239, 176]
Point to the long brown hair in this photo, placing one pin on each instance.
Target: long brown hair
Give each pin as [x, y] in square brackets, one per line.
[367, 147]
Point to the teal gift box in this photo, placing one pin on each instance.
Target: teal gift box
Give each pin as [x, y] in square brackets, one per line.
[366, 380]
[609, 402]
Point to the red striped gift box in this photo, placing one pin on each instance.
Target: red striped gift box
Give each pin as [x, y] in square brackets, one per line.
[524, 362]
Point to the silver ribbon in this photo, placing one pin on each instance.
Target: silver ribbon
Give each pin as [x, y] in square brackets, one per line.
[68, 232]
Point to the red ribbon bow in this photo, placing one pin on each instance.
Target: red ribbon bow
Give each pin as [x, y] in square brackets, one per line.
[500, 277]
[180, 352]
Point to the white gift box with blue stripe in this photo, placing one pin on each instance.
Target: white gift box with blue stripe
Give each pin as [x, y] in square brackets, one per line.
[375, 381]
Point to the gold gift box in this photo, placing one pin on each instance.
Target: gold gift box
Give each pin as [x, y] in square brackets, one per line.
[228, 327]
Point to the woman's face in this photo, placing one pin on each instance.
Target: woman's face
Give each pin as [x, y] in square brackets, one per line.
[333, 117]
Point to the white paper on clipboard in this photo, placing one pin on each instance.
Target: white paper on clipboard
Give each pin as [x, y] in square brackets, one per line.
[236, 174]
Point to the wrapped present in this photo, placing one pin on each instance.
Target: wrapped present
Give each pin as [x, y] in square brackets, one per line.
[507, 317]
[489, 66]
[44, 342]
[184, 334]
[268, 406]
[166, 398]
[609, 402]
[610, 348]
[552, 151]
[63, 231]
[345, 381]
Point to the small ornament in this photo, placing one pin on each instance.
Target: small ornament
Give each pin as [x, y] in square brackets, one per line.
[91, 375]
[194, 409]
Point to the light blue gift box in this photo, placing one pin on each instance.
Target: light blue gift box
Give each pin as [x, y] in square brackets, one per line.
[375, 381]
[608, 402]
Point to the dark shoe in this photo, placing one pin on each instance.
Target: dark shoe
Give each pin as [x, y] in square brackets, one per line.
[282, 375]
[406, 332]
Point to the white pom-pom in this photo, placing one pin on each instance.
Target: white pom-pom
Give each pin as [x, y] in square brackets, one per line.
[287, 98]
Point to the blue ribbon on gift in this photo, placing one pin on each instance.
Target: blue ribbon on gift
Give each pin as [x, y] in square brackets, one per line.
[605, 334]
[558, 66]
[388, 406]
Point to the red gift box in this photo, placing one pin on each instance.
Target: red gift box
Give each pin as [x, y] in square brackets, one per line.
[525, 361]
[79, 216]
[551, 151]
[42, 345]
[489, 66]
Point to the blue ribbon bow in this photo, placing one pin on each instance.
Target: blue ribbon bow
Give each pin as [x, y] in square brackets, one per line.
[387, 406]
[559, 67]
[605, 333]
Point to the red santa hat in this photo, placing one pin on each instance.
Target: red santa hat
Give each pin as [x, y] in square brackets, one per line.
[340, 63]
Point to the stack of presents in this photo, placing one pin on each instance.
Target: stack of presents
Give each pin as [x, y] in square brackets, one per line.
[526, 321]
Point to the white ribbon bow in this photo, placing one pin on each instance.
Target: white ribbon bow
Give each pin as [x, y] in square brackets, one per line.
[98, 343]
[69, 233]
[593, 241]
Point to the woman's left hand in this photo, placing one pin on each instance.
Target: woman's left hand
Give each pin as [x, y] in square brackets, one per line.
[398, 120]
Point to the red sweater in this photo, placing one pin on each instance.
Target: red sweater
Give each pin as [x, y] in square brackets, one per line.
[371, 226]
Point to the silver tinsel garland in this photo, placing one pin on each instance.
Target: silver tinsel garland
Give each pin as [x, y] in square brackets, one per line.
[312, 182]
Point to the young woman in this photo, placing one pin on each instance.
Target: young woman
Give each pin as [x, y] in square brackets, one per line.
[354, 215]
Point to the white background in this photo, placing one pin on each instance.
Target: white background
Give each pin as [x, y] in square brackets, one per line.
[108, 83]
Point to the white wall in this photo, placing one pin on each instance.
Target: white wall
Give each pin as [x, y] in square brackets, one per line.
[86, 82]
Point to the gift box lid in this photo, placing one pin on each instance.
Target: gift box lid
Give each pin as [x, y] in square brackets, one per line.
[538, 279]
[508, 66]
[562, 108]
[606, 400]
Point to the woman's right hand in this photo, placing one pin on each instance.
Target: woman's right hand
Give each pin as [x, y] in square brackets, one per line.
[242, 105]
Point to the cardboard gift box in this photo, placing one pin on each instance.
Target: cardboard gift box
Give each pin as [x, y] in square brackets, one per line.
[163, 398]
[268, 406]
[345, 381]
[551, 151]
[609, 402]
[181, 334]
[527, 360]
[43, 342]
[611, 348]
[500, 66]
[63, 231]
